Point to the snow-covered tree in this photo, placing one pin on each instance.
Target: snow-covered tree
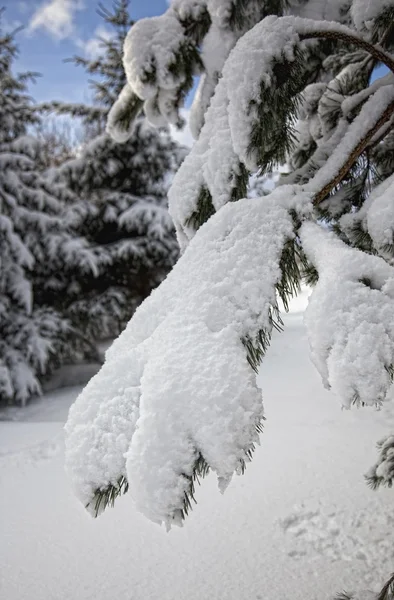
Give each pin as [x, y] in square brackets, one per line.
[281, 81]
[120, 195]
[35, 246]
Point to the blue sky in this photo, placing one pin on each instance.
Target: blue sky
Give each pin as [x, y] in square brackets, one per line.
[58, 29]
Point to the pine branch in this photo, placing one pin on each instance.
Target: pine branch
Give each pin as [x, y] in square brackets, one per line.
[387, 592]
[358, 150]
[378, 53]
[75, 110]
[106, 497]
[382, 473]
[204, 210]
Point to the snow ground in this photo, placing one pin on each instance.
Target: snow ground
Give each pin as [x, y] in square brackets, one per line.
[300, 524]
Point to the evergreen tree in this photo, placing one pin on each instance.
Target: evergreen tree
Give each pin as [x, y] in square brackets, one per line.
[291, 84]
[120, 197]
[35, 246]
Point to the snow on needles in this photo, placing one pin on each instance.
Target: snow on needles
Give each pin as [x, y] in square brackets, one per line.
[176, 385]
[375, 218]
[224, 144]
[349, 318]
[365, 12]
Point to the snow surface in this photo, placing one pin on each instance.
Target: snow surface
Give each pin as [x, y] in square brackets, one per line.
[149, 411]
[301, 523]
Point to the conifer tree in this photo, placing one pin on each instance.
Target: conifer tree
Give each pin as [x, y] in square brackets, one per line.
[35, 246]
[120, 196]
[291, 85]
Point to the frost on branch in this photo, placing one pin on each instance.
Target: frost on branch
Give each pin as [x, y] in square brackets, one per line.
[159, 413]
[349, 319]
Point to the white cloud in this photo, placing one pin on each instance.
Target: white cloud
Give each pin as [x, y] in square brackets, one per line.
[92, 48]
[57, 17]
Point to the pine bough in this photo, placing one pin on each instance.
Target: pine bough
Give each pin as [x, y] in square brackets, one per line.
[177, 395]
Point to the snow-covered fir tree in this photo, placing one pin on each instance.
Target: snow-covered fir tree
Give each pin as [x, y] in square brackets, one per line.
[281, 82]
[36, 248]
[120, 196]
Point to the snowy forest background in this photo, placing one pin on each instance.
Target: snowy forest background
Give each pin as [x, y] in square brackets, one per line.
[85, 230]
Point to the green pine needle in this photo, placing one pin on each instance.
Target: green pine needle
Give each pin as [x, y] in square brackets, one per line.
[129, 113]
[107, 496]
[201, 469]
[374, 481]
[203, 212]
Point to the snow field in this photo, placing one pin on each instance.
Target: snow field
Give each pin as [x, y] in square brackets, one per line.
[301, 523]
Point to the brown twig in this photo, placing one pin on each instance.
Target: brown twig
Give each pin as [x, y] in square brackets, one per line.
[358, 150]
[378, 53]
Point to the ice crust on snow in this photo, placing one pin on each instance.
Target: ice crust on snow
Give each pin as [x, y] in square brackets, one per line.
[349, 318]
[157, 401]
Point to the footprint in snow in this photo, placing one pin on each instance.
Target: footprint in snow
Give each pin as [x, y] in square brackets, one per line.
[365, 536]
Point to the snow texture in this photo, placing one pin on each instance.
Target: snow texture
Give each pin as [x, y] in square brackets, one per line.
[158, 403]
[357, 131]
[189, 9]
[375, 217]
[380, 215]
[120, 134]
[151, 51]
[383, 470]
[349, 323]
[365, 12]
[301, 513]
[332, 10]
[223, 145]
